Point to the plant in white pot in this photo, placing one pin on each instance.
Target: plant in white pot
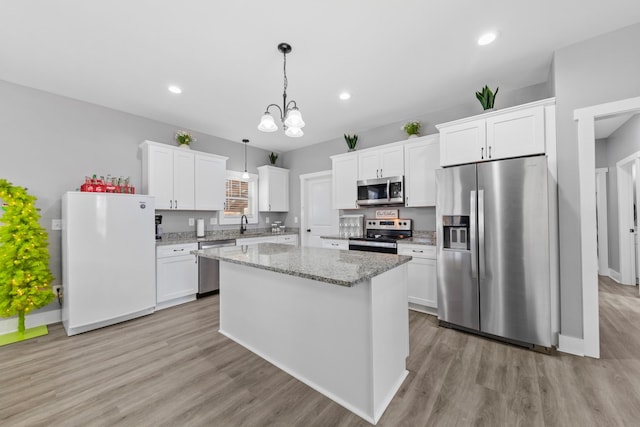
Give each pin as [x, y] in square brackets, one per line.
[184, 138]
[412, 128]
[487, 97]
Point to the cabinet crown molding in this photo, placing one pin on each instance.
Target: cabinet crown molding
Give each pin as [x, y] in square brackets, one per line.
[543, 102]
[146, 142]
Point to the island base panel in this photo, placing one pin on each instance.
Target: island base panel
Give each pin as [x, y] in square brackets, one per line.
[348, 343]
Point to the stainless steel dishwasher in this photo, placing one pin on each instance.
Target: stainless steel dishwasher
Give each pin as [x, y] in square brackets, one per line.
[209, 269]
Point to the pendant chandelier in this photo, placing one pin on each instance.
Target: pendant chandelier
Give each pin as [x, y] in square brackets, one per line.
[289, 114]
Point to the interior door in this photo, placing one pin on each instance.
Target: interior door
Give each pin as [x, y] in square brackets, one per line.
[319, 218]
[513, 250]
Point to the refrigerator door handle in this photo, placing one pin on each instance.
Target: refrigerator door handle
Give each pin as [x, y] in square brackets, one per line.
[481, 263]
[472, 234]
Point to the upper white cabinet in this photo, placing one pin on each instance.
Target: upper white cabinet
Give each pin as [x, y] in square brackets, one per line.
[182, 179]
[381, 162]
[421, 159]
[273, 189]
[512, 132]
[345, 178]
[210, 178]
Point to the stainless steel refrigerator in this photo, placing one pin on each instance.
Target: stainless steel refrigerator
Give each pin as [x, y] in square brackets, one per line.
[493, 267]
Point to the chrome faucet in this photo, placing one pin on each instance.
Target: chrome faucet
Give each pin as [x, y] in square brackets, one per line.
[243, 224]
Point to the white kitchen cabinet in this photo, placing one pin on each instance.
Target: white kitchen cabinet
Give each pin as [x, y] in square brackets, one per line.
[210, 178]
[345, 178]
[512, 132]
[381, 162]
[176, 275]
[421, 159]
[273, 189]
[168, 174]
[335, 244]
[183, 179]
[422, 279]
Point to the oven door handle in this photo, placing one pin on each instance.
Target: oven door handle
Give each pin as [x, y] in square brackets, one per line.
[372, 244]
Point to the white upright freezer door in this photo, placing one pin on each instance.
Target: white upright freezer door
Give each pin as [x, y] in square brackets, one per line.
[108, 259]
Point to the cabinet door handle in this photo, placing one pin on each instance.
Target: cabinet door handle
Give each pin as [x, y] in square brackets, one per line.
[481, 152]
[489, 151]
[176, 204]
[380, 173]
[308, 230]
[178, 250]
[416, 251]
[269, 206]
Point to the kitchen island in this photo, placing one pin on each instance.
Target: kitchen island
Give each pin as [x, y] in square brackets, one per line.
[336, 320]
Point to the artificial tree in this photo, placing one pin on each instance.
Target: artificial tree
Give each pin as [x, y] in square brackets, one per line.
[25, 277]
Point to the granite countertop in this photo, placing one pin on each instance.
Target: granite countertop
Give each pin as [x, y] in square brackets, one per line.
[344, 268]
[189, 236]
[419, 238]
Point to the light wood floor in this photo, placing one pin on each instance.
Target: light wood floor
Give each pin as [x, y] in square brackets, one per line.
[173, 369]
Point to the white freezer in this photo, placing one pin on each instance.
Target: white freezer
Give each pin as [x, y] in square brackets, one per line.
[108, 259]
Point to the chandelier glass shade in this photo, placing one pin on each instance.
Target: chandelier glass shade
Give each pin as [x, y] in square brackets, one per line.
[290, 115]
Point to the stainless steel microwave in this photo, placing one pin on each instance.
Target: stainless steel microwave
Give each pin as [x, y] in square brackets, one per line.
[381, 191]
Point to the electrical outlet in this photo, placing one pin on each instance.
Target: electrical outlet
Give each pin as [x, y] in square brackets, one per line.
[56, 289]
[266, 220]
[192, 221]
[56, 224]
[213, 220]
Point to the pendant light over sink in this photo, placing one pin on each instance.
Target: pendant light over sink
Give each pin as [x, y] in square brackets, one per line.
[289, 113]
[245, 174]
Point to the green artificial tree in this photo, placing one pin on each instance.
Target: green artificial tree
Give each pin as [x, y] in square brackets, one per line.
[25, 277]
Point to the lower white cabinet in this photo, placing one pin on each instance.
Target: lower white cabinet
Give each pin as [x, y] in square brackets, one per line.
[176, 275]
[422, 286]
[285, 239]
[335, 244]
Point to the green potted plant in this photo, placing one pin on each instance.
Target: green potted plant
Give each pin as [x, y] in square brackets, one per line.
[412, 128]
[487, 97]
[273, 157]
[25, 278]
[351, 141]
[184, 138]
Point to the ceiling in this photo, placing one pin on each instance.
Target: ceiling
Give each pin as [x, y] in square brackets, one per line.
[399, 59]
[605, 126]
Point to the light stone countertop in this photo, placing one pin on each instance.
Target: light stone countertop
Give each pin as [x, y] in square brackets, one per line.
[211, 236]
[344, 268]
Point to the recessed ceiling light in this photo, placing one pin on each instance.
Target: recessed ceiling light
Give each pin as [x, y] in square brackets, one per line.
[345, 95]
[487, 38]
[174, 89]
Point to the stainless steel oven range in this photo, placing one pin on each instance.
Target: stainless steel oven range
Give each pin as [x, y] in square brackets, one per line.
[381, 235]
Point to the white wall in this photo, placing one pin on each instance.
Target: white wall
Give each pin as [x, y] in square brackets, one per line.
[592, 72]
[49, 143]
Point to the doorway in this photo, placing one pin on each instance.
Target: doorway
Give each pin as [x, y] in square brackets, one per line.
[318, 218]
[627, 174]
[588, 224]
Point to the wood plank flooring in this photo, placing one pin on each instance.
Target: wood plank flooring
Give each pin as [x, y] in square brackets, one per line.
[174, 369]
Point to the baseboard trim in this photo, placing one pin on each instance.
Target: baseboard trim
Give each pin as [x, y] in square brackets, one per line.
[31, 320]
[571, 345]
[614, 275]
